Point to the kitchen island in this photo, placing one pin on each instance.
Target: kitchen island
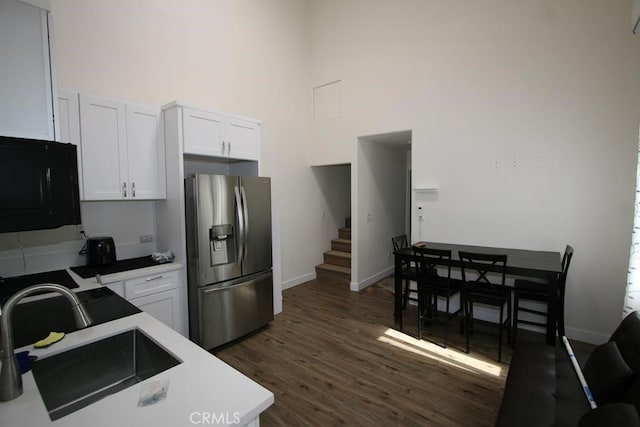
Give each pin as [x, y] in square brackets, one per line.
[202, 390]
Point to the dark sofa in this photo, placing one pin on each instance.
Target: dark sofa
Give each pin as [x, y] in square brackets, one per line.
[542, 388]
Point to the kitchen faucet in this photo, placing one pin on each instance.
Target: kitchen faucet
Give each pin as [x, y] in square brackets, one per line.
[10, 377]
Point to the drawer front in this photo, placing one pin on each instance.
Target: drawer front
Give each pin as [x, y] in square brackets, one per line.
[152, 284]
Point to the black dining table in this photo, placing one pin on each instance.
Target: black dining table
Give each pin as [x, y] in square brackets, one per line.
[520, 262]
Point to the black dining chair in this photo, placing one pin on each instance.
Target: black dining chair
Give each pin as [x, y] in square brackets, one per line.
[409, 269]
[432, 285]
[539, 292]
[484, 278]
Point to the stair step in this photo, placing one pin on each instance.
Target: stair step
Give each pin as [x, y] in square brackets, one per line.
[344, 233]
[341, 245]
[333, 272]
[342, 259]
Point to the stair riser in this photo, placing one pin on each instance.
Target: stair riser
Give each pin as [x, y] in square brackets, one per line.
[341, 247]
[332, 276]
[344, 234]
[337, 260]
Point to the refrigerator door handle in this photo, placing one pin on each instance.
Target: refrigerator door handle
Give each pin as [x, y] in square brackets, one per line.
[216, 288]
[241, 237]
[246, 221]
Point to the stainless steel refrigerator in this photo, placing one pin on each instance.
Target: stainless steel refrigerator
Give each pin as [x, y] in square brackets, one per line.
[230, 282]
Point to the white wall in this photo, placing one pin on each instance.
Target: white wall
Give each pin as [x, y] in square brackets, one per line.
[525, 114]
[381, 207]
[247, 57]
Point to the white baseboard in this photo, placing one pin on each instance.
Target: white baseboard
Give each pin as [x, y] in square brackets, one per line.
[591, 337]
[298, 280]
[358, 286]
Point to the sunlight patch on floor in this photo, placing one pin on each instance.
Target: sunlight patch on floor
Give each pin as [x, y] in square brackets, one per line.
[444, 355]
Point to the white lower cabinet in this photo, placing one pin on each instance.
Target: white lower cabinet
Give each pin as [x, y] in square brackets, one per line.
[155, 294]
[163, 306]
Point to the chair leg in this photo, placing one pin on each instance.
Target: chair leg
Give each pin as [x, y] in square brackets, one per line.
[405, 297]
[467, 321]
[500, 326]
[516, 305]
[560, 319]
[446, 325]
[509, 323]
[419, 320]
[420, 312]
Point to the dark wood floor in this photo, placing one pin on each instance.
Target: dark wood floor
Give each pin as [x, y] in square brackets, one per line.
[332, 358]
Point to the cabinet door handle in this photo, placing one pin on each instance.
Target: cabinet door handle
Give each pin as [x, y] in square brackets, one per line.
[124, 189]
[223, 148]
[229, 147]
[150, 279]
[133, 189]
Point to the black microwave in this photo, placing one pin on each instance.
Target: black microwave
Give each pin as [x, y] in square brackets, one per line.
[38, 184]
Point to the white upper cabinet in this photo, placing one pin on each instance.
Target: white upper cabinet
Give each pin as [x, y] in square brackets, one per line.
[217, 135]
[26, 84]
[243, 139]
[203, 132]
[122, 150]
[145, 152]
[69, 125]
[104, 148]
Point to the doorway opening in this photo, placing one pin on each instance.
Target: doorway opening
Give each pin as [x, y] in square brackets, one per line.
[381, 203]
[334, 182]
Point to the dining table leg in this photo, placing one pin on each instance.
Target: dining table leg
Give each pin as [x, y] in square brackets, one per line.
[397, 294]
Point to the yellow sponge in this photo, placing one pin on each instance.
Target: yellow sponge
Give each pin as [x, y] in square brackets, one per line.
[53, 337]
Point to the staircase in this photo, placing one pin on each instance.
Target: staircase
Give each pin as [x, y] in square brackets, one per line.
[337, 262]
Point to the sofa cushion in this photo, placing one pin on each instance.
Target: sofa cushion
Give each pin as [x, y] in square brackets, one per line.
[611, 414]
[607, 373]
[627, 338]
[571, 402]
[529, 396]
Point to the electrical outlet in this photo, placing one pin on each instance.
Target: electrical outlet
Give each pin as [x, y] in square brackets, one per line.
[146, 238]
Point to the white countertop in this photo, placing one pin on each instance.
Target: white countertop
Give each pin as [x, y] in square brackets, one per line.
[201, 386]
[105, 279]
[109, 279]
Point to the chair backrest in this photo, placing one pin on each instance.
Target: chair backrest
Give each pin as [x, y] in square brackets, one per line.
[482, 265]
[566, 259]
[430, 259]
[400, 242]
[562, 278]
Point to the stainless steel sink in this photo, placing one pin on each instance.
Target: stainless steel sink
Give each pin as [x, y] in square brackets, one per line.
[80, 376]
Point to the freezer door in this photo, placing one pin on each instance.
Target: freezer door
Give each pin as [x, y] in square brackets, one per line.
[256, 199]
[229, 312]
[214, 228]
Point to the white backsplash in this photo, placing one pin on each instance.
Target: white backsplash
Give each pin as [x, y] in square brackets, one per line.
[45, 250]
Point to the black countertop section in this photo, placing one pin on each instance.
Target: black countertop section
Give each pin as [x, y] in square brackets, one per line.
[11, 285]
[32, 321]
[87, 272]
